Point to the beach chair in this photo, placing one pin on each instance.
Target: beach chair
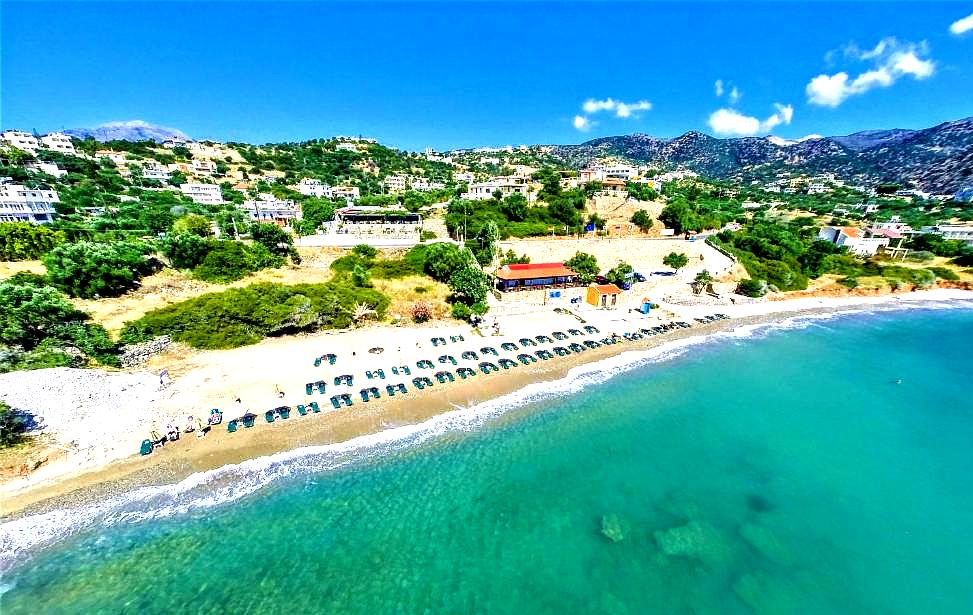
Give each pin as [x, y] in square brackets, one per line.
[526, 341]
[561, 351]
[335, 401]
[401, 388]
[346, 398]
[447, 358]
[321, 386]
[560, 335]
[544, 355]
[364, 394]
[489, 350]
[390, 390]
[544, 339]
[590, 329]
[284, 412]
[147, 447]
[231, 426]
[575, 332]
[526, 359]
[424, 364]
[591, 344]
[509, 346]
[576, 347]
[507, 363]
[301, 410]
[309, 388]
[331, 358]
[270, 415]
[215, 416]
[417, 383]
[486, 367]
[249, 419]
[469, 355]
[314, 407]
[317, 362]
[465, 372]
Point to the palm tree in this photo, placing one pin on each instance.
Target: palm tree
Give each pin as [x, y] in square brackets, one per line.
[361, 312]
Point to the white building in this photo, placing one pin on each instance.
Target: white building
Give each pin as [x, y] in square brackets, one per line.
[203, 167]
[854, 239]
[467, 178]
[21, 204]
[45, 167]
[620, 171]
[346, 147]
[156, 172]
[270, 209]
[349, 193]
[961, 232]
[58, 142]
[395, 183]
[204, 194]
[420, 184]
[313, 187]
[506, 185]
[21, 140]
[817, 189]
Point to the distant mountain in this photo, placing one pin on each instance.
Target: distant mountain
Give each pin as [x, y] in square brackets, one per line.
[134, 130]
[937, 159]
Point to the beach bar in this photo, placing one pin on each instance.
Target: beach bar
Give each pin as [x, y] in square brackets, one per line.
[535, 275]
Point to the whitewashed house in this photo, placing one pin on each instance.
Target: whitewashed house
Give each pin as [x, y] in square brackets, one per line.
[313, 187]
[21, 140]
[58, 142]
[855, 239]
[204, 194]
[21, 204]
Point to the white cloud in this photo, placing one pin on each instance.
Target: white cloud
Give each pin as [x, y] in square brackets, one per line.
[735, 95]
[732, 123]
[890, 60]
[718, 87]
[961, 26]
[621, 109]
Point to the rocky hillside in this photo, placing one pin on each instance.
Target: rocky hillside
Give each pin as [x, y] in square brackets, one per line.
[937, 159]
[134, 130]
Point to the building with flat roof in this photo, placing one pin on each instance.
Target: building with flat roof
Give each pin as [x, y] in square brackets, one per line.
[269, 209]
[21, 204]
[528, 276]
[204, 194]
[21, 140]
[309, 186]
[58, 142]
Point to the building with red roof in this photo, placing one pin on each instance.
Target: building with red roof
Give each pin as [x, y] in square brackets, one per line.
[527, 276]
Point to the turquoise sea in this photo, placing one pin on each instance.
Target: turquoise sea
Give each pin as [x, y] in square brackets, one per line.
[774, 470]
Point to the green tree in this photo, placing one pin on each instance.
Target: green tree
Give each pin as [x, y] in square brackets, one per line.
[643, 220]
[514, 207]
[618, 274]
[29, 313]
[228, 261]
[488, 237]
[278, 242]
[703, 279]
[585, 265]
[314, 213]
[193, 224]
[676, 260]
[752, 288]
[88, 269]
[469, 284]
[360, 277]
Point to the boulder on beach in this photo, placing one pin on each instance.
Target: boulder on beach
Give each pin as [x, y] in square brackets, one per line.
[695, 540]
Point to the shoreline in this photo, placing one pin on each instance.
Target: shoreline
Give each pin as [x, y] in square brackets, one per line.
[190, 456]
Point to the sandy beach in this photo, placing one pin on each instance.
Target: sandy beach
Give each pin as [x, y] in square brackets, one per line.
[93, 447]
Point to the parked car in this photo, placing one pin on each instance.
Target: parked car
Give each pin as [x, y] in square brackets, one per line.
[638, 276]
[601, 279]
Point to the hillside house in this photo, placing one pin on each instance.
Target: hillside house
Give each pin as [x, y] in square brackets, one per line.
[855, 239]
[204, 194]
[21, 204]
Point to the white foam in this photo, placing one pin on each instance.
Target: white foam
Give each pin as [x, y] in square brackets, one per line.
[205, 490]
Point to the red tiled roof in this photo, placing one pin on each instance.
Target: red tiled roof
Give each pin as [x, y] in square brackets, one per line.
[850, 231]
[529, 271]
[607, 289]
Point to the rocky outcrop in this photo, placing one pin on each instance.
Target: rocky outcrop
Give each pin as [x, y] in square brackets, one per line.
[134, 355]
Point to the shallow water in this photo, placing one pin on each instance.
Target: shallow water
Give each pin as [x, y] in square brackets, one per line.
[778, 473]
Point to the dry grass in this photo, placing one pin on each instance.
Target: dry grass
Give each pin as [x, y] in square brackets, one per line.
[8, 269]
[403, 293]
[618, 211]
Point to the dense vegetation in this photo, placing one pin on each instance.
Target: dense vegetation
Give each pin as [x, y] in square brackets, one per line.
[241, 316]
[87, 269]
[23, 241]
[40, 328]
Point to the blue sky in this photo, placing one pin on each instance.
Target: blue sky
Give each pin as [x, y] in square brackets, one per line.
[436, 74]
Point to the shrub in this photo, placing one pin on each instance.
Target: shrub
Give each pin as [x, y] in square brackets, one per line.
[186, 250]
[921, 256]
[421, 312]
[944, 273]
[13, 426]
[89, 270]
[752, 288]
[360, 277]
[676, 260]
[275, 240]
[461, 311]
[426, 235]
[193, 224]
[23, 241]
[229, 261]
[365, 251]
[619, 273]
[849, 282]
[480, 308]
[469, 285]
[241, 316]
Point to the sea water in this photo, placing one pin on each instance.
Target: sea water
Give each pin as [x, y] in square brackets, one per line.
[823, 467]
